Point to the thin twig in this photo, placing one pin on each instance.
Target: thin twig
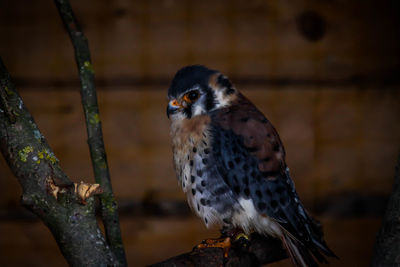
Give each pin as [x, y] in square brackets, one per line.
[109, 208]
[46, 190]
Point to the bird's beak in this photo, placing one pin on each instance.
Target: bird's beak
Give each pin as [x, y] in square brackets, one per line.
[173, 106]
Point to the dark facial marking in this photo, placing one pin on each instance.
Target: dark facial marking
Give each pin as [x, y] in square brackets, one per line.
[188, 112]
[225, 83]
[210, 99]
[192, 77]
[229, 91]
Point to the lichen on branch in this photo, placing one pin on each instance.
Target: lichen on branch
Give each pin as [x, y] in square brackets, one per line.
[109, 216]
[46, 189]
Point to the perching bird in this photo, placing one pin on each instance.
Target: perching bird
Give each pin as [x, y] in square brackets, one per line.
[230, 162]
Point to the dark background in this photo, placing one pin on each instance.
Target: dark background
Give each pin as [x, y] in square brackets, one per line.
[326, 73]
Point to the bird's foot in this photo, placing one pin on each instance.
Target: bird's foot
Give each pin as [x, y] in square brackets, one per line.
[237, 235]
[222, 242]
[225, 242]
[242, 238]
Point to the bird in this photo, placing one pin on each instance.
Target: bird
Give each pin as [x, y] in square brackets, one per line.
[230, 162]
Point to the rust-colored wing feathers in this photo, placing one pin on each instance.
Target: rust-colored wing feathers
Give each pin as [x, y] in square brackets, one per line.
[259, 136]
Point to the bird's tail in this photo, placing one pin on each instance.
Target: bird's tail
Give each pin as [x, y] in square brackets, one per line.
[306, 255]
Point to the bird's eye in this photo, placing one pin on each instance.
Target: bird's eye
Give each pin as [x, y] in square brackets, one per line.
[191, 96]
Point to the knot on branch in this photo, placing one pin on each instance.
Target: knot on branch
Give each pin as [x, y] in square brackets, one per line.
[82, 190]
[85, 190]
[54, 189]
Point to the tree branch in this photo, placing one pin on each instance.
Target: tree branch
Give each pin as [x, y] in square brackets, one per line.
[109, 209]
[47, 191]
[387, 245]
[259, 250]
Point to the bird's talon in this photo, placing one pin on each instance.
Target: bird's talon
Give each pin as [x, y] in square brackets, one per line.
[242, 235]
[224, 243]
[242, 240]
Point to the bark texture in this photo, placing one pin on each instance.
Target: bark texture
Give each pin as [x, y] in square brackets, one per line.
[47, 191]
[257, 251]
[109, 207]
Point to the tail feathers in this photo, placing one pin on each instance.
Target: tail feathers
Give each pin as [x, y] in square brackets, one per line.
[325, 249]
[316, 235]
[305, 256]
[299, 256]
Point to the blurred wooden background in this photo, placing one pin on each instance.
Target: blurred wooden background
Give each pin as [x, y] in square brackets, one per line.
[326, 73]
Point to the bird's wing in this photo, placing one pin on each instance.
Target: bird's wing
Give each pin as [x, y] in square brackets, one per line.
[252, 162]
[253, 157]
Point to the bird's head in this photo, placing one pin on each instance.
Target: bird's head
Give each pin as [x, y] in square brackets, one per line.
[197, 90]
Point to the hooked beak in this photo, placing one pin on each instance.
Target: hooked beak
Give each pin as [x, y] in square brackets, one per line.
[173, 106]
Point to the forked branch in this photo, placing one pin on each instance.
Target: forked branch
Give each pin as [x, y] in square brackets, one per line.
[46, 190]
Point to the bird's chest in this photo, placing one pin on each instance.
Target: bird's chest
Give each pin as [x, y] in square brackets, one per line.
[190, 144]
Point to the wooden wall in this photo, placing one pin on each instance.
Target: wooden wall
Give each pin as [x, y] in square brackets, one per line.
[326, 73]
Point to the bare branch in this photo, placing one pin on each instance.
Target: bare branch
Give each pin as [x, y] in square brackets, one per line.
[47, 191]
[259, 250]
[109, 210]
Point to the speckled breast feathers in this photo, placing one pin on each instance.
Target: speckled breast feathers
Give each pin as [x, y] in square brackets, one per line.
[230, 162]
